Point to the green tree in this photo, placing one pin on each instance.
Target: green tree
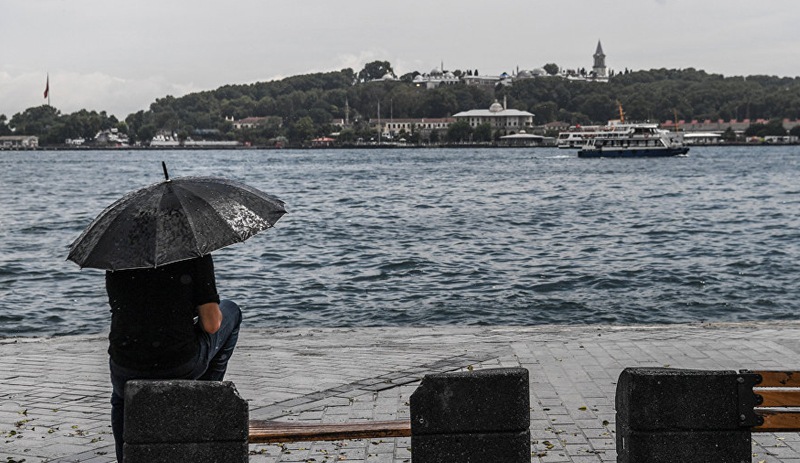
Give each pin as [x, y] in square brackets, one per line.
[4, 129]
[35, 121]
[482, 133]
[302, 130]
[773, 127]
[729, 135]
[375, 70]
[347, 136]
[551, 68]
[545, 112]
[459, 131]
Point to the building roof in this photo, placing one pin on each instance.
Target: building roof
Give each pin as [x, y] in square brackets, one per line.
[422, 120]
[522, 136]
[490, 113]
[17, 137]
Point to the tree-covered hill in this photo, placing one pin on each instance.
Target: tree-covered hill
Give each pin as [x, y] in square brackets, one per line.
[303, 107]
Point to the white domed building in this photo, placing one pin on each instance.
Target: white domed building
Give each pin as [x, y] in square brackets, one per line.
[436, 78]
[498, 117]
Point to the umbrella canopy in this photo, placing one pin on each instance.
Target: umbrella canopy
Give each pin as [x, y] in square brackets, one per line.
[172, 221]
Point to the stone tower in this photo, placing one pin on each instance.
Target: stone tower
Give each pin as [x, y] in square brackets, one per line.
[599, 68]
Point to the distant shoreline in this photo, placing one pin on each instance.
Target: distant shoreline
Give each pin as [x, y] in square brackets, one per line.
[340, 147]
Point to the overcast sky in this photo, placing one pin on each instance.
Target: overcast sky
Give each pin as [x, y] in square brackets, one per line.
[120, 56]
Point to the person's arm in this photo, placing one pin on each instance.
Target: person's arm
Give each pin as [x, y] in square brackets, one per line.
[210, 317]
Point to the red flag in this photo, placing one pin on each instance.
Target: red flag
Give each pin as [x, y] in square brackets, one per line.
[47, 87]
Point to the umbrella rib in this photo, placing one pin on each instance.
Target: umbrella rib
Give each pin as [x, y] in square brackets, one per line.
[217, 213]
[128, 202]
[188, 217]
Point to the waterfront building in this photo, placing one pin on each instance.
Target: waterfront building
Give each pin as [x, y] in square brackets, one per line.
[721, 125]
[498, 117]
[253, 122]
[14, 142]
[525, 139]
[392, 128]
[111, 137]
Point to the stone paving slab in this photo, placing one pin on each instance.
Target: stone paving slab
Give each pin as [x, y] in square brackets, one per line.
[54, 392]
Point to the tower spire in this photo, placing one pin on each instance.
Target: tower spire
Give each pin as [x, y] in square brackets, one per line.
[599, 68]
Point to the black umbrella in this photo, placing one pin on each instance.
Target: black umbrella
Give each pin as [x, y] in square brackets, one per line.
[174, 220]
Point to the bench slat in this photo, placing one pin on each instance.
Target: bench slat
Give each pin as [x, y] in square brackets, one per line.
[779, 378]
[270, 432]
[778, 397]
[778, 421]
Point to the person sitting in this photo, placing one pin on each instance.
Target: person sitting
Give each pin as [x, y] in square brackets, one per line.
[167, 322]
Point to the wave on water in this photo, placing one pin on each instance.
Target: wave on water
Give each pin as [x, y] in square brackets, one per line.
[437, 237]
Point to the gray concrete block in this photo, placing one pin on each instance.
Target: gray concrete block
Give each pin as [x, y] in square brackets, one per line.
[685, 446]
[507, 447]
[199, 452]
[492, 400]
[175, 420]
[668, 415]
[176, 411]
[651, 399]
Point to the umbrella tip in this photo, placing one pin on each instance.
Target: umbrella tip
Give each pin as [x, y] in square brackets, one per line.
[164, 166]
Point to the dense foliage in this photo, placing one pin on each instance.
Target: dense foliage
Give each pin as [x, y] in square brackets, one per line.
[304, 106]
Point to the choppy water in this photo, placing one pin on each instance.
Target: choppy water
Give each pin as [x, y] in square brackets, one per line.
[427, 237]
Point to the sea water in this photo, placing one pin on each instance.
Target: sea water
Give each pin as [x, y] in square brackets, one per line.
[383, 237]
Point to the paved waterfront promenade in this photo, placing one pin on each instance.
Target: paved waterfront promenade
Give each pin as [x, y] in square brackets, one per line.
[54, 392]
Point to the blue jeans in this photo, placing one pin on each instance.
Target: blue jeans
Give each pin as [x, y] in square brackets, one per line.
[209, 365]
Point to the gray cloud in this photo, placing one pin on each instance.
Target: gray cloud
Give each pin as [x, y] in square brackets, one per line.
[119, 56]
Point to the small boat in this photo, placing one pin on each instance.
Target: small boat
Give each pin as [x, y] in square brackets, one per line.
[634, 141]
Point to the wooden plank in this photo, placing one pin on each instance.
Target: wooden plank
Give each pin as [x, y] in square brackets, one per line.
[778, 397]
[778, 421]
[270, 432]
[779, 378]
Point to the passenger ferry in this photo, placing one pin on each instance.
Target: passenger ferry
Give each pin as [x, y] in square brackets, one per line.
[634, 141]
[578, 135]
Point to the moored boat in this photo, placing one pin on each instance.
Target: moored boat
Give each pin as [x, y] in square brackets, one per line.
[634, 141]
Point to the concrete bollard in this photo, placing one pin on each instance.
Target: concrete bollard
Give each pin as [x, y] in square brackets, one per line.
[668, 415]
[472, 417]
[177, 420]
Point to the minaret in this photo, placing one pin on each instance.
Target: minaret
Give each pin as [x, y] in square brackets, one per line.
[599, 67]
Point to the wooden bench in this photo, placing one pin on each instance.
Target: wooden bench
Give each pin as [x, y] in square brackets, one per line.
[778, 405]
[271, 432]
[778, 402]
[666, 415]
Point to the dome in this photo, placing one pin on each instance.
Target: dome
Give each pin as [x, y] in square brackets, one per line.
[419, 78]
[436, 72]
[496, 107]
[539, 72]
[388, 76]
[524, 74]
